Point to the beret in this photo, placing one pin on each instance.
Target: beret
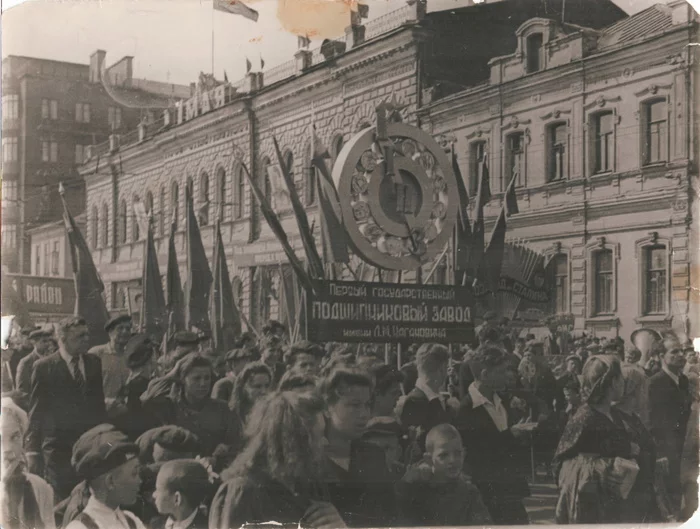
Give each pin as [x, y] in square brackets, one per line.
[121, 318]
[41, 333]
[383, 425]
[138, 350]
[186, 338]
[170, 437]
[101, 449]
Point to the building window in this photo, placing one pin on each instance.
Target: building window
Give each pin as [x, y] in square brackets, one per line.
[149, 203]
[114, 117]
[82, 112]
[557, 139]
[95, 230]
[310, 184]
[656, 132]
[560, 282]
[122, 222]
[79, 153]
[655, 267]
[161, 213]
[604, 282]
[477, 153]
[9, 236]
[10, 106]
[135, 227]
[9, 193]
[46, 259]
[49, 109]
[221, 193]
[55, 258]
[238, 192]
[105, 225]
[175, 203]
[603, 146]
[49, 151]
[204, 199]
[515, 158]
[189, 183]
[534, 53]
[10, 149]
[37, 260]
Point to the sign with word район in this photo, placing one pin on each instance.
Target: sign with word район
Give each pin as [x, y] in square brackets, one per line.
[43, 295]
[348, 311]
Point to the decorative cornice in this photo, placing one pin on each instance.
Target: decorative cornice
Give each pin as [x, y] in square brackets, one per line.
[554, 114]
[653, 89]
[514, 123]
[601, 101]
[479, 132]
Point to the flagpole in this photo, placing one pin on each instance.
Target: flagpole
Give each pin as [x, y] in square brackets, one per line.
[212, 39]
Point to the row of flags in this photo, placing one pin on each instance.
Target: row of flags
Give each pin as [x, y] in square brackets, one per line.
[472, 258]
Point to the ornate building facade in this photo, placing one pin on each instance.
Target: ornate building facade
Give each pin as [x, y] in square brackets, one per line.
[566, 105]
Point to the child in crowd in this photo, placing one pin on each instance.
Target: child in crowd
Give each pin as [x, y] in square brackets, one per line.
[181, 487]
[435, 492]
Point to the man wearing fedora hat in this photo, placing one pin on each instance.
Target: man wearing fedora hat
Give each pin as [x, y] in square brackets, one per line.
[114, 368]
[108, 463]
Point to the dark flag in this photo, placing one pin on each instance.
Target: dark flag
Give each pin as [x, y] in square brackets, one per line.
[175, 301]
[307, 238]
[333, 234]
[482, 197]
[225, 319]
[262, 63]
[153, 309]
[278, 230]
[198, 273]
[511, 198]
[248, 65]
[463, 228]
[225, 77]
[89, 303]
[491, 263]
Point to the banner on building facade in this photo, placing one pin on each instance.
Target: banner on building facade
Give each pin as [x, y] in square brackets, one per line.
[348, 311]
[43, 295]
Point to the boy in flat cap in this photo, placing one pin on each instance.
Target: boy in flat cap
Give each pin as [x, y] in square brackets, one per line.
[114, 368]
[108, 462]
[42, 340]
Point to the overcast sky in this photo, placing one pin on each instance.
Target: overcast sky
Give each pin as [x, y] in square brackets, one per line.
[171, 40]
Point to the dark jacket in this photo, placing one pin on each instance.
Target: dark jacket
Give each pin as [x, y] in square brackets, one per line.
[201, 521]
[420, 412]
[24, 377]
[59, 412]
[496, 461]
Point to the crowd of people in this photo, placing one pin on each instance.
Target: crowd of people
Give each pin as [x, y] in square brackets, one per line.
[333, 435]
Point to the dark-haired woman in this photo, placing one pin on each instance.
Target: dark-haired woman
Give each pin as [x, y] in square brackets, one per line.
[191, 407]
[359, 481]
[598, 452]
[252, 384]
[277, 476]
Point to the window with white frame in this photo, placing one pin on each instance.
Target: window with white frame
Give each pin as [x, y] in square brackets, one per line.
[557, 137]
[9, 193]
[49, 151]
[114, 117]
[10, 149]
[655, 131]
[604, 282]
[82, 112]
[9, 236]
[477, 156]
[515, 159]
[49, 109]
[55, 255]
[10, 106]
[560, 282]
[46, 259]
[655, 277]
[603, 148]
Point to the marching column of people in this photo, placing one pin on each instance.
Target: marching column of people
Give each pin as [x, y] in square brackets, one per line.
[329, 436]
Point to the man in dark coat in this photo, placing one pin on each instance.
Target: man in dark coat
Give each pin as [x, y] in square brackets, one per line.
[425, 406]
[42, 340]
[66, 401]
[669, 403]
[20, 347]
[495, 458]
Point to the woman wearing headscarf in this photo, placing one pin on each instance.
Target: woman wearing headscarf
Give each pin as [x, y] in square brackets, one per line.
[252, 384]
[605, 460]
[26, 499]
[190, 406]
[277, 477]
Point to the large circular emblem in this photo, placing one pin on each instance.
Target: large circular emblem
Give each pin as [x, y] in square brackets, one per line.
[398, 215]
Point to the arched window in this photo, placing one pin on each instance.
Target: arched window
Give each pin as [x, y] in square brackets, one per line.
[149, 203]
[122, 222]
[190, 186]
[175, 203]
[310, 179]
[204, 199]
[161, 213]
[267, 184]
[221, 193]
[135, 231]
[238, 192]
[105, 224]
[534, 53]
[95, 227]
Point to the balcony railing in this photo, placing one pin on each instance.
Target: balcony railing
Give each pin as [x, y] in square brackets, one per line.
[388, 22]
[278, 73]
